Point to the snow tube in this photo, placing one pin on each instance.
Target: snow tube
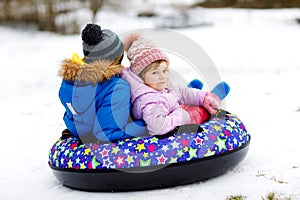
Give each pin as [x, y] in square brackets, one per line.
[189, 154]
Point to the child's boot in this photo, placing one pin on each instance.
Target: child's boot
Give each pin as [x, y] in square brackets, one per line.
[196, 84]
[221, 90]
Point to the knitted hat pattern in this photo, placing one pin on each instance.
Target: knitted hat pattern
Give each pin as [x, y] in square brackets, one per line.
[141, 53]
[100, 44]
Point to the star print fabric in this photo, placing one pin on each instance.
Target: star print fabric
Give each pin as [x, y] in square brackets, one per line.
[218, 136]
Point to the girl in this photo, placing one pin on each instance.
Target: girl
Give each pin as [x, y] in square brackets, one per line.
[160, 106]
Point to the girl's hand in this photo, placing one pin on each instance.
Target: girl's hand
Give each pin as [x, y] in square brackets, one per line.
[211, 102]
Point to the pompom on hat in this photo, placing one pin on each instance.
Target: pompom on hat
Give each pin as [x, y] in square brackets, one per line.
[100, 44]
[141, 52]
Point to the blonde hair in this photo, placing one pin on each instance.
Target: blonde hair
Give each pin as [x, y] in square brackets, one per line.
[152, 66]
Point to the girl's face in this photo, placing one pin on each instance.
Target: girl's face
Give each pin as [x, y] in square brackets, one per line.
[157, 78]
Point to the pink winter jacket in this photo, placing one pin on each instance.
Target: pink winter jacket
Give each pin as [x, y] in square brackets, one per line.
[160, 110]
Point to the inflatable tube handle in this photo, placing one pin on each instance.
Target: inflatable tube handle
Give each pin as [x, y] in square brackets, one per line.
[181, 129]
[188, 128]
[222, 114]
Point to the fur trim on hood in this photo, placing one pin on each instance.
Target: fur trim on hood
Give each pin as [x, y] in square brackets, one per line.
[95, 72]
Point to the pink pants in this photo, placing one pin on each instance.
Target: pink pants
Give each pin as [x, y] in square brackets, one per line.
[198, 114]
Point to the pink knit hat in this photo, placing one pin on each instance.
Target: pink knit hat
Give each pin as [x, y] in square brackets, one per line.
[141, 53]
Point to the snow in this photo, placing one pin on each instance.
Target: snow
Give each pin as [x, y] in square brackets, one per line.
[255, 51]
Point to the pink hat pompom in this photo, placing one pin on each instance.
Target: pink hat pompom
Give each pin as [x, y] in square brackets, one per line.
[129, 39]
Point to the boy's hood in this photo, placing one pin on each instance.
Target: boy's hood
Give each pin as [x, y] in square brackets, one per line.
[95, 72]
[83, 79]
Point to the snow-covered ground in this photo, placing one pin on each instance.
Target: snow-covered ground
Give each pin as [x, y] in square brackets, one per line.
[255, 51]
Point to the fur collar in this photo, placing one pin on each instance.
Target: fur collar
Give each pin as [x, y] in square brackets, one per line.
[95, 72]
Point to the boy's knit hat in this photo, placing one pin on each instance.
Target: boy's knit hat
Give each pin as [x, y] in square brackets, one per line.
[100, 44]
[141, 53]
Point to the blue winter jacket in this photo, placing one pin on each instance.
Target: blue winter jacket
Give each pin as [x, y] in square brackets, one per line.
[97, 102]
